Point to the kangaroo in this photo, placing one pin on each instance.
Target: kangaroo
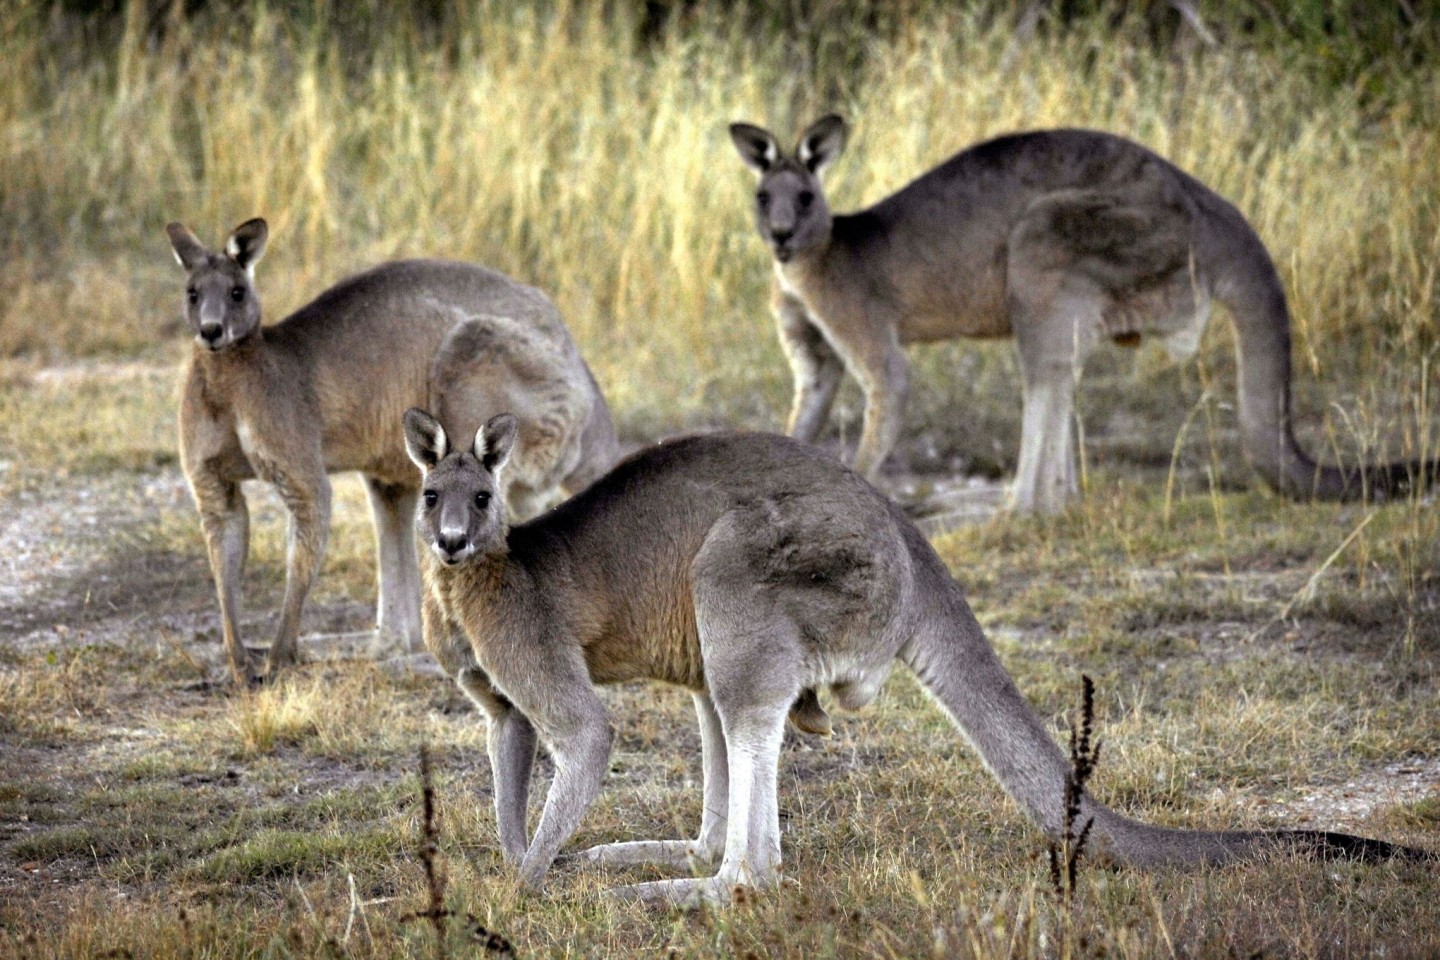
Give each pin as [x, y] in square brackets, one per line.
[323, 391]
[1059, 238]
[751, 570]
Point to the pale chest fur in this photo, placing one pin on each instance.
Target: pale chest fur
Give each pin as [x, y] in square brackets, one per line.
[803, 281]
[470, 598]
[849, 306]
[923, 295]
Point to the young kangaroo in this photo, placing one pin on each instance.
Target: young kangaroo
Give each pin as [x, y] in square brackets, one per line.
[323, 391]
[751, 570]
[1059, 238]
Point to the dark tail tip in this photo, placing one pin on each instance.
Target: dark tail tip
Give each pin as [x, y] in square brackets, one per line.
[1342, 846]
[1379, 481]
[1401, 479]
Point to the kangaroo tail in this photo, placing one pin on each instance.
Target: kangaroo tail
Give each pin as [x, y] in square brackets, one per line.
[1256, 300]
[957, 665]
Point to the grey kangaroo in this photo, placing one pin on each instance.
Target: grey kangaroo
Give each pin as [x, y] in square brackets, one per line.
[1059, 238]
[323, 391]
[751, 570]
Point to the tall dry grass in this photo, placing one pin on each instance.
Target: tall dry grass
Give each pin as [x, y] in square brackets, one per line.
[554, 142]
[561, 143]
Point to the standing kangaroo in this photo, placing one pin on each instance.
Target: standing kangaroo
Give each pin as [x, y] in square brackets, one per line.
[751, 570]
[323, 391]
[1059, 238]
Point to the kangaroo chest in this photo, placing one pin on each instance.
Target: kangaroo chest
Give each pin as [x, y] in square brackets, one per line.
[923, 299]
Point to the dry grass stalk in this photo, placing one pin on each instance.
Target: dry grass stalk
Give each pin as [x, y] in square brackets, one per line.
[435, 910]
[1065, 856]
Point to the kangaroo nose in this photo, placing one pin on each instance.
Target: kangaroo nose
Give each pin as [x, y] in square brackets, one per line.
[211, 332]
[450, 543]
[781, 237]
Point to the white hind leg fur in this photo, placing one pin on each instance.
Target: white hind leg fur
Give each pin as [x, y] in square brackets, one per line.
[397, 618]
[1045, 480]
[1054, 336]
[752, 843]
[752, 656]
[711, 841]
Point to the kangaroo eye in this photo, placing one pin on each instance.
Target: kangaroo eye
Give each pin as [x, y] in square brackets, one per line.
[806, 198]
[431, 498]
[193, 296]
[482, 499]
[763, 198]
[237, 294]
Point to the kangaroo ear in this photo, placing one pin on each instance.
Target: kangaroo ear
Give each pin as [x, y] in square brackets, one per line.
[247, 244]
[758, 146]
[425, 439]
[822, 143]
[495, 440]
[189, 251]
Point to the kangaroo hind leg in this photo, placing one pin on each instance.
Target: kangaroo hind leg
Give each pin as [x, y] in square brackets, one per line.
[884, 376]
[225, 520]
[711, 841]
[753, 669]
[397, 618]
[1054, 336]
[306, 495]
[1079, 263]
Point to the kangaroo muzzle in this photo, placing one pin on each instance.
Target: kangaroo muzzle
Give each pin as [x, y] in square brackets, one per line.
[452, 546]
[210, 328]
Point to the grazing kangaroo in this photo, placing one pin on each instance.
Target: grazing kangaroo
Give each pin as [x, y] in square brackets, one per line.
[1059, 238]
[751, 570]
[323, 391]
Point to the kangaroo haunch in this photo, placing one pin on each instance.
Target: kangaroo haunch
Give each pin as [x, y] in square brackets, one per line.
[323, 391]
[1059, 238]
[751, 570]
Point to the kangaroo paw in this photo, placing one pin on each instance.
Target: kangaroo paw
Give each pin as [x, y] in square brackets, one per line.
[279, 658]
[250, 671]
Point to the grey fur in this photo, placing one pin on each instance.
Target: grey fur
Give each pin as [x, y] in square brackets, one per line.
[322, 391]
[751, 570]
[1059, 238]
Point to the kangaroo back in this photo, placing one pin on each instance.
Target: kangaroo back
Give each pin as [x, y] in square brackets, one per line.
[489, 364]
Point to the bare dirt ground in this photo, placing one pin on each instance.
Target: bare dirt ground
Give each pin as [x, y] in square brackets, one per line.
[108, 797]
[64, 587]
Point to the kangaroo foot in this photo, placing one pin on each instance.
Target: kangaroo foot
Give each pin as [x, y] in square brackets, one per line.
[672, 853]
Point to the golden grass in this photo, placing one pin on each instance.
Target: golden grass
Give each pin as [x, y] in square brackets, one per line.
[345, 713]
[551, 143]
[896, 838]
[55, 696]
[1244, 647]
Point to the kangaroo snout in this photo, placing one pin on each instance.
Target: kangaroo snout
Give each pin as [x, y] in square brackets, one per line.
[780, 239]
[451, 546]
[211, 333]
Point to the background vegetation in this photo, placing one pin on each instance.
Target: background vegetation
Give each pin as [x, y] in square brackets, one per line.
[1250, 653]
[582, 147]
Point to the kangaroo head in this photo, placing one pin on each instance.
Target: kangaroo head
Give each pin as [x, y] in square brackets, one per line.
[790, 207]
[220, 293]
[461, 513]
